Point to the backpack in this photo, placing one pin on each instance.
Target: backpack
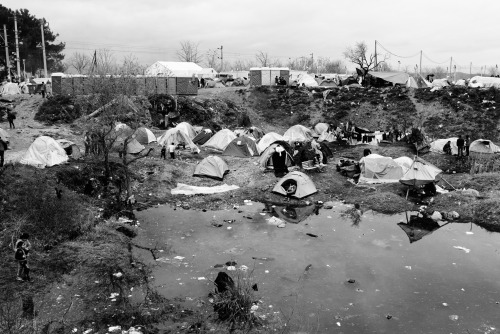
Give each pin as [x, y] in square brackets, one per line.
[20, 254]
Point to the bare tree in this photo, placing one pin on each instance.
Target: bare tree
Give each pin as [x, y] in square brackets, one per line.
[331, 66]
[263, 59]
[105, 61]
[131, 65]
[212, 59]
[359, 55]
[189, 52]
[79, 61]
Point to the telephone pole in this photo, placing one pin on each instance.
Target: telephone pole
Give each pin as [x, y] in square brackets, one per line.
[420, 62]
[43, 49]
[376, 65]
[7, 60]
[17, 46]
[221, 57]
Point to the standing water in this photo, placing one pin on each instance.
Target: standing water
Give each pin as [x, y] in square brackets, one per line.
[361, 277]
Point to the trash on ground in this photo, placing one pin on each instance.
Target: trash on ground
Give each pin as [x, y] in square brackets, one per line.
[454, 317]
[462, 248]
[312, 235]
[275, 221]
[179, 257]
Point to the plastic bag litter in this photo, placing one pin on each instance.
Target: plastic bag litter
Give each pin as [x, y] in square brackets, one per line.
[462, 248]
[275, 221]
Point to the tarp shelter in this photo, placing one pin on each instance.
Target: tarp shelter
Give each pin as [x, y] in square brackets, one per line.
[404, 162]
[440, 83]
[187, 129]
[202, 137]
[44, 152]
[304, 185]
[173, 69]
[483, 146]
[298, 133]
[177, 136]
[484, 82]
[266, 160]
[267, 140]
[378, 169]
[220, 140]
[212, 167]
[72, 150]
[242, 147]
[10, 88]
[392, 77]
[4, 135]
[420, 173]
[144, 136]
[207, 73]
[437, 145]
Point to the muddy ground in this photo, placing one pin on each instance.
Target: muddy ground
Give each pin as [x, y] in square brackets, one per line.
[272, 110]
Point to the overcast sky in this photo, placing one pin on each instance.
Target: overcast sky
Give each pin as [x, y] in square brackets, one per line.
[152, 29]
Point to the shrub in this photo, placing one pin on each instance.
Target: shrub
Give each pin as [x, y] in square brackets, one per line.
[59, 108]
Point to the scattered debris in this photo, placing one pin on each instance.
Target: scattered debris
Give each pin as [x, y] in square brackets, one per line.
[312, 235]
[462, 248]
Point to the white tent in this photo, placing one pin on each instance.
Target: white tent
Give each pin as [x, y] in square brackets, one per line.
[306, 80]
[379, 169]
[267, 140]
[173, 69]
[187, 129]
[483, 146]
[220, 140]
[4, 135]
[44, 152]
[177, 136]
[437, 145]
[10, 88]
[207, 73]
[484, 82]
[321, 127]
[298, 133]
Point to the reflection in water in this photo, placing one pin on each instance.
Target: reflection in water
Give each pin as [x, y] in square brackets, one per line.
[293, 214]
[418, 227]
[354, 214]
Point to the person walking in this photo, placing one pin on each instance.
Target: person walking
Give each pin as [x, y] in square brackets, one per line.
[22, 249]
[460, 145]
[3, 148]
[171, 150]
[11, 116]
[467, 145]
[43, 90]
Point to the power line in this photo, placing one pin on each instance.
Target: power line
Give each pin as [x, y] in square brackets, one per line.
[395, 55]
[433, 61]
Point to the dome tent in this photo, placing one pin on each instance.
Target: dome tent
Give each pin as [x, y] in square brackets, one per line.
[304, 184]
[266, 160]
[256, 132]
[213, 167]
[298, 133]
[267, 140]
[177, 136]
[220, 140]
[483, 146]
[320, 128]
[187, 129]
[144, 136]
[378, 169]
[420, 172]
[437, 145]
[242, 147]
[72, 150]
[202, 137]
[44, 152]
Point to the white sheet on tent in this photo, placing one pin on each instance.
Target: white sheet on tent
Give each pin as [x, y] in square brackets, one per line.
[44, 152]
[186, 189]
[404, 162]
[437, 145]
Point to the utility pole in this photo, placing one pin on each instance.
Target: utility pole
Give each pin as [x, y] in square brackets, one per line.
[420, 68]
[221, 58]
[7, 60]
[376, 65]
[17, 47]
[43, 49]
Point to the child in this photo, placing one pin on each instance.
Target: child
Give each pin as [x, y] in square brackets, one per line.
[163, 152]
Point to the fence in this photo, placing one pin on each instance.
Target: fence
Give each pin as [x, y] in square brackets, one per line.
[484, 163]
[131, 86]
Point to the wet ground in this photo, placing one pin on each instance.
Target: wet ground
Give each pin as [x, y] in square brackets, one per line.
[364, 277]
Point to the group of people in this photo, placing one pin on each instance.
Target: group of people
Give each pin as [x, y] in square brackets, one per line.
[171, 150]
[462, 146]
[280, 81]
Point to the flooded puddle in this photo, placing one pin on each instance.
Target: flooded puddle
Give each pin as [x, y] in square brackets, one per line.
[360, 278]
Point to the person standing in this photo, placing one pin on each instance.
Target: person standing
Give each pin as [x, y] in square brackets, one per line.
[460, 145]
[3, 148]
[43, 90]
[171, 150]
[163, 153]
[11, 116]
[22, 249]
[467, 145]
[202, 83]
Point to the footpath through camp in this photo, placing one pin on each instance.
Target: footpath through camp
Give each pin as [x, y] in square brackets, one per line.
[76, 175]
